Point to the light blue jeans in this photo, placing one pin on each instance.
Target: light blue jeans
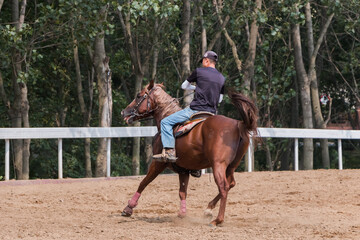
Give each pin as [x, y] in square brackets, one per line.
[167, 124]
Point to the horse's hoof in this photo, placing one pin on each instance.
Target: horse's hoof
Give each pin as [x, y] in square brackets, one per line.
[181, 215]
[208, 213]
[127, 212]
[212, 225]
[216, 223]
[124, 214]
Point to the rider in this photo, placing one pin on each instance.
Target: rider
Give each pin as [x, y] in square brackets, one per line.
[209, 92]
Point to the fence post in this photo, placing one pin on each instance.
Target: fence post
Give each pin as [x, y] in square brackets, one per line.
[7, 159]
[108, 157]
[340, 154]
[296, 154]
[60, 160]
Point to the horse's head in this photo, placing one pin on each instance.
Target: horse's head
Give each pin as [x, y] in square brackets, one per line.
[142, 106]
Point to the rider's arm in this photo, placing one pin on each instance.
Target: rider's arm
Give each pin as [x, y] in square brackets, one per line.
[187, 86]
[222, 91]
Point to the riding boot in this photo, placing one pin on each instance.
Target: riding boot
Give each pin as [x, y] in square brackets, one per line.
[160, 157]
[167, 155]
[170, 155]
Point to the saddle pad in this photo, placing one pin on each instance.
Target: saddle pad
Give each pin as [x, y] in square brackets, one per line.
[195, 119]
[183, 129]
[201, 115]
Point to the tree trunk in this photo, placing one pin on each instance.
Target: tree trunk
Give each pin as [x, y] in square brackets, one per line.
[304, 86]
[85, 111]
[136, 153]
[269, 164]
[25, 121]
[228, 38]
[223, 23]
[203, 29]
[148, 140]
[19, 109]
[313, 51]
[249, 66]
[185, 49]
[105, 109]
[103, 75]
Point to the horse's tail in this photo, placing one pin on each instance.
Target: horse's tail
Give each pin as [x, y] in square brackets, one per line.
[247, 110]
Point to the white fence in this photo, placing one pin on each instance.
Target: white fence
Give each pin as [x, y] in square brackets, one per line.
[119, 132]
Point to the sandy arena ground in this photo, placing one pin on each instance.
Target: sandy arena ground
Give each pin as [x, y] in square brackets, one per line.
[322, 204]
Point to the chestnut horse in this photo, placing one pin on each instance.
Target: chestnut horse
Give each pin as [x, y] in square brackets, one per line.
[218, 142]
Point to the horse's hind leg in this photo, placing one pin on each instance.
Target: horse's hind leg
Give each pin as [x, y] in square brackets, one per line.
[223, 186]
[212, 203]
[154, 170]
[243, 145]
[184, 181]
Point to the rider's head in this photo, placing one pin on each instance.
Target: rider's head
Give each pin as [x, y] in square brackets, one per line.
[209, 59]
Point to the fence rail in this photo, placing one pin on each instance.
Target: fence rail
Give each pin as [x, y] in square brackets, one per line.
[120, 132]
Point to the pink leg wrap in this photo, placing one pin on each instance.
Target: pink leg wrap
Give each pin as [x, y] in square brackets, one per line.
[183, 206]
[133, 201]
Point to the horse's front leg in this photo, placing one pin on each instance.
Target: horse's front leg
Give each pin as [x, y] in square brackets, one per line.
[184, 181]
[154, 170]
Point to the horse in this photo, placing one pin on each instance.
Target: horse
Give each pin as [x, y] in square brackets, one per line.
[218, 142]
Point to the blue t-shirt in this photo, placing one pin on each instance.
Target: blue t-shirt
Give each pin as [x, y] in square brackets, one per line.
[209, 86]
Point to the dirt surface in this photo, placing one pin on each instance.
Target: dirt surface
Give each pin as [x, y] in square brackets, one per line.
[323, 204]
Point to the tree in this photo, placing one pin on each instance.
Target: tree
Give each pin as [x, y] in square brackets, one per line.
[304, 87]
[18, 109]
[50, 56]
[85, 109]
[185, 48]
[249, 65]
[234, 50]
[313, 52]
[141, 29]
[103, 75]
[137, 59]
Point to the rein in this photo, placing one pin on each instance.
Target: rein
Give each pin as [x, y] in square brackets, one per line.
[179, 98]
[184, 96]
[148, 105]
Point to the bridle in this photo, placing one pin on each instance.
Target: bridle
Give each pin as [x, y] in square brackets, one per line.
[135, 111]
[146, 96]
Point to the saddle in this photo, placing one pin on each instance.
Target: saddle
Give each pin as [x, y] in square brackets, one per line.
[185, 127]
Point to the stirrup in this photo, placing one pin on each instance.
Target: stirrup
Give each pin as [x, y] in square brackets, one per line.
[195, 173]
[160, 155]
[164, 157]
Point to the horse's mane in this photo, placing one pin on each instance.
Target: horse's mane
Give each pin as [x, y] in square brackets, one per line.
[167, 105]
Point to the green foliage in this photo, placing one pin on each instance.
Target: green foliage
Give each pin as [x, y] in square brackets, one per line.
[149, 8]
[46, 42]
[121, 165]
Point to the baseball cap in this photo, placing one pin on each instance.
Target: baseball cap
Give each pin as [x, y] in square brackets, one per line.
[211, 55]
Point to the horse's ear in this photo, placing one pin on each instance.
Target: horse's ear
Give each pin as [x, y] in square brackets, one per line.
[151, 85]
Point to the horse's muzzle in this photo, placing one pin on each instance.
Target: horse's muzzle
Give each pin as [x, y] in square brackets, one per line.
[128, 117]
